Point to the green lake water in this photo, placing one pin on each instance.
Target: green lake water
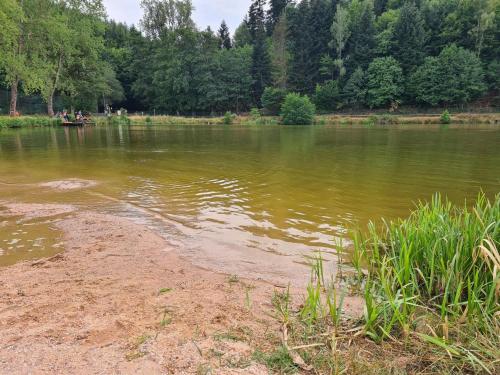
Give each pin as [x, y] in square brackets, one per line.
[281, 190]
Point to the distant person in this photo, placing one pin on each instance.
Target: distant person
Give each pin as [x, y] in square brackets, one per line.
[65, 116]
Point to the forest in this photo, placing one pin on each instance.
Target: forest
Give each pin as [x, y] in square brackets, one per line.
[343, 54]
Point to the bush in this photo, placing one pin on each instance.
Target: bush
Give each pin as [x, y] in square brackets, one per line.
[445, 117]
[228, 118]
[327, 96]
[298, 110]
[272, 100]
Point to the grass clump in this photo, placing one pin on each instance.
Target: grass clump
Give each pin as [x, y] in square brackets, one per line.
[431, 285]
[278, 360]
[443, 258]
[435, 277]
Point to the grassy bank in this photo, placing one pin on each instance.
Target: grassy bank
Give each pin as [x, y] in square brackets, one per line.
[365, 120]
[25, 121]
[465, 118]
[431, 285]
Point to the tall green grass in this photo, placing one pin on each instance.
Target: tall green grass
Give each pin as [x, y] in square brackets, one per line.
[20, 122]
[442, 257]
[436, 276]
[431, 285]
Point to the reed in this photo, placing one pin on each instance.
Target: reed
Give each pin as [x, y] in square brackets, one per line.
[442, 257]
[437, 271]
[431, 284]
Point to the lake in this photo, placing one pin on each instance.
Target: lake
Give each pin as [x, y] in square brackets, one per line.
[229, 194]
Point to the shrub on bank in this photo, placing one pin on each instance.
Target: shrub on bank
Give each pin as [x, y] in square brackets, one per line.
[297, 110]
[445, 117]
[119, 120]
[228, 118]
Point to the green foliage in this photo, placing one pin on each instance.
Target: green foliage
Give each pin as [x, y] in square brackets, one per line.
[119, 120]
[228, 118]
[408, 40]
[224, 36]
[255, 114]
[361, 44]
[272, 100]
[445, 117]
[441, 257]
[455, 76]
[327, 96]
[67, 51]
[355, 89]
[21, 122]
[261, 60]
[297, 110]
[384, 82]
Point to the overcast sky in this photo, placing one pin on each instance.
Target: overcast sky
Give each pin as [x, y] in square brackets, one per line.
[207, 12]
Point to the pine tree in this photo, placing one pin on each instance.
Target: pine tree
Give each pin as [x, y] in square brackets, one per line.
[276, 9]
[261, 61]
[380, 6]
[320, 18]
[409, 38]
[361, 44]
[224, 36]
[309, 35]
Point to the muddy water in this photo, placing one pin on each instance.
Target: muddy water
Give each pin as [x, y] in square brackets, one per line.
[242, 194]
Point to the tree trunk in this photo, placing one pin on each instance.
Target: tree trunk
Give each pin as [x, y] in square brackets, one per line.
[13, 97]
[50, 105]
[50, 99]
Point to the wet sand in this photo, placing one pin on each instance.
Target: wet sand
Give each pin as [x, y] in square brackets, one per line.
[118, 300]
[121, 300]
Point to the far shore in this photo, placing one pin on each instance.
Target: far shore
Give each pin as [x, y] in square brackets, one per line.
[322, 119]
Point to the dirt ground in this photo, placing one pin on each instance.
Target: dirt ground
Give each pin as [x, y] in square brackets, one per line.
[120, 300]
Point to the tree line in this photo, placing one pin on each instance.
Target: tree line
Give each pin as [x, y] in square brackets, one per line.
[341, 53]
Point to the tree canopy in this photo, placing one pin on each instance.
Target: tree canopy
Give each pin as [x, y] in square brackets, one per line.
[341, 53]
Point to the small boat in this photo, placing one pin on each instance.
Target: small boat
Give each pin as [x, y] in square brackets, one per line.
[78, 123]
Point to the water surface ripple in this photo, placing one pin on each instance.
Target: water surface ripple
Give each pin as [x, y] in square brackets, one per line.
[279, 190]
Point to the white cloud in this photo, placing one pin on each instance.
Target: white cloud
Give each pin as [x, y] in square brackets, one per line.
[207, 12]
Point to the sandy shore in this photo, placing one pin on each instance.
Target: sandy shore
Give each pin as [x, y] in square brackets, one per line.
[120, 300]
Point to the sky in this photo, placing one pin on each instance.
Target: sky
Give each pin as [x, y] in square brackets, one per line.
[207, 12]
